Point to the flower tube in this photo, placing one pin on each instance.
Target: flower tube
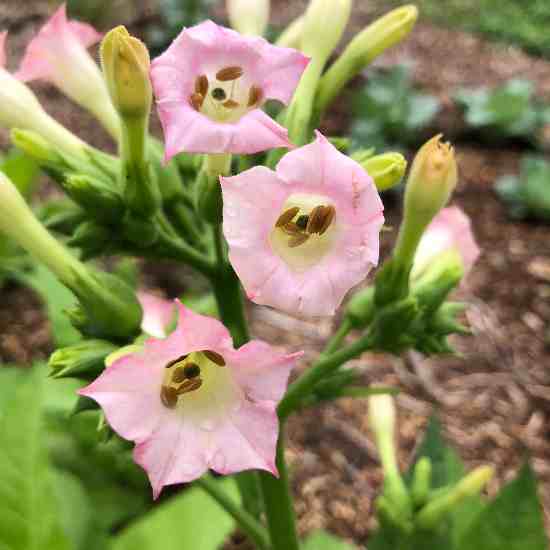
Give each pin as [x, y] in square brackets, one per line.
[192, 402]
[58, 54]
[300, 237]
[210, 86]
[20, 108]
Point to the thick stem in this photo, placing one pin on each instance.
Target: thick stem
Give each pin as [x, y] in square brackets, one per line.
[252, 527]
[326, 364]
[278, 503]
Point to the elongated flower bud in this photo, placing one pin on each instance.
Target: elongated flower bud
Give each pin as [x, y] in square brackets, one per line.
[384, 33]
[291, 37]
[83, 360]
[248, 16]
[125, 62]
[108, 306]
[432, 179]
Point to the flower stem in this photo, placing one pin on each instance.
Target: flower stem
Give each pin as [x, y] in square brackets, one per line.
[252, 527]
[278, 503]
[326, 364]
[338, 337]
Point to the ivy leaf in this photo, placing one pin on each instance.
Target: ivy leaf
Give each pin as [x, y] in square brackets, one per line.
[28, 512]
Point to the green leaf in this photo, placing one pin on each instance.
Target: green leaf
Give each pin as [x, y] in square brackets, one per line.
[21, 169]
[28, 518]
[192, 520]
[321, 540]
[512, 521]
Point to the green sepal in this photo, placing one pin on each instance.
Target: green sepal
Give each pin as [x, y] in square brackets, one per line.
[208, 198]
[91, 237]
[360, 309]
[142, 232]
[391, 283]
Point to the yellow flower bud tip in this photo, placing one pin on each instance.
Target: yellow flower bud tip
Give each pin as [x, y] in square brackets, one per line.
[436, 162]
[382, 414]
[387, 170]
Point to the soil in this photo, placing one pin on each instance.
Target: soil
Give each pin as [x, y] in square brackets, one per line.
[494, 401]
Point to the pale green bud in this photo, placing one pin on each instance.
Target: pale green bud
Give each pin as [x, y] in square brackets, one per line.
[432, 179]
[85, 359]
[387, 170]
[291, 37]
[324, 25]
[125, 62]
[248, 16]
[384, 33]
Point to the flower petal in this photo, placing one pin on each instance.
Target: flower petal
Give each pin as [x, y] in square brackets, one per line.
[3, 36]
[158, 314]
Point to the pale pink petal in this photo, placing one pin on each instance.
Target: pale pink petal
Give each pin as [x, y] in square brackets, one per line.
[255, 199]
[451, 229]
[3, 36]
[158, 314]
[85, 33]
[231, 427]
[204, 50]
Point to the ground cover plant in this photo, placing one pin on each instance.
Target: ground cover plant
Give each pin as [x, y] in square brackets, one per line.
[298, 230]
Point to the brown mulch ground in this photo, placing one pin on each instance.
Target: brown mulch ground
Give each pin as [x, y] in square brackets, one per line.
[494, 401]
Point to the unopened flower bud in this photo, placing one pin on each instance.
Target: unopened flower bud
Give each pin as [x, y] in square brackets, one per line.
[85, 359]
[432, 514]
[422, 481]
[432, 179]
[384, 33]
[248, 16]
[387, 170]
[324, 25]
[125, 62]
[291, 37]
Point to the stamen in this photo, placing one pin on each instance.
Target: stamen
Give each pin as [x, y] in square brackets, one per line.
[302, 221]
[297, 240]
[196, 101]
[287, 216]
[172, 363]
[229, 73]
[201, 85]
[189, 386]
[254, 96]
[231, 104]
[291, 229]
[191, 370]
[168, 396]
[219, 94]
[329, 215]
[315, 219]
[214, 357]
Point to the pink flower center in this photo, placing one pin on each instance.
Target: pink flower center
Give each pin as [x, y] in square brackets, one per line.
[226, 95]
[187, 374]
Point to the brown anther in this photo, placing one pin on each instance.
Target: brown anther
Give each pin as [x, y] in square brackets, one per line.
[297, 240]
[316, 219]
[168, 396]
[329, 214]
[189, 386]
[230, 104]
[291, 229]
[201, 85]
[287, 216]
[214, 357]
[196, 101]
[255, 95]
[173, 362]
[229, 73]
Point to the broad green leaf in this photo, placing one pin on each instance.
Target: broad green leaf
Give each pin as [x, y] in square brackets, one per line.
[512, 521]
[28, 518]
[191, 521]
[321, 540]
[21, 169]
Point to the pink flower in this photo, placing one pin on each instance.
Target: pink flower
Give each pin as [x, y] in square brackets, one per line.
[158, 314]
[451, 229]
[192, 402]
[58, 54]
[300, 237]
[210, 85]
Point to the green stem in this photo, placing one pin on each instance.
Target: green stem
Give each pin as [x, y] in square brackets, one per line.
[278, 503]
[326, 364]
[253, 528]
[338, 337]
[186, 223]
